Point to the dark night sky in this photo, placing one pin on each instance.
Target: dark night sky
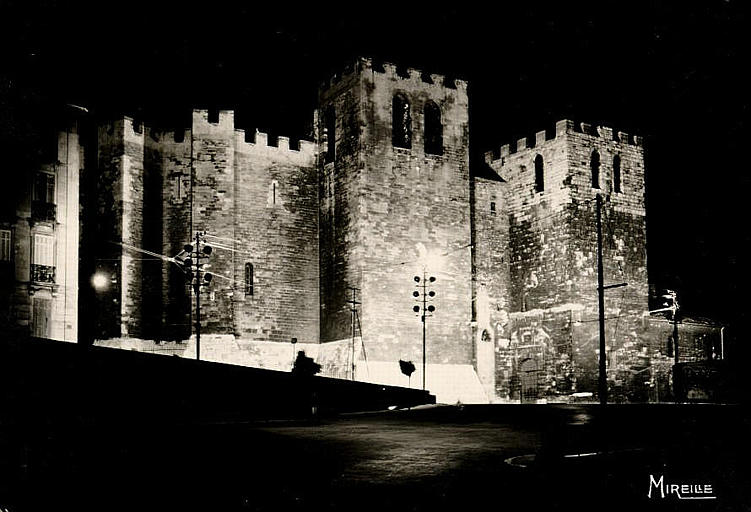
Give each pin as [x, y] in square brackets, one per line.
[673, 72]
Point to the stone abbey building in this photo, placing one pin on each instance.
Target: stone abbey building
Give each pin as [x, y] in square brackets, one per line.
[383, 194]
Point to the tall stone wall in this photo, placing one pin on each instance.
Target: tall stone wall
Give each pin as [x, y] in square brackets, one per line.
[108, 222]
[339, 199]
[490, 259]
[133, 189]
[213, 211]
[405, 210]
[276, 231]
[156, 189]
[173, 155]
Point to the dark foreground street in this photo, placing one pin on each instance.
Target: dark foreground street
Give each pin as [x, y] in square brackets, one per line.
[440, 458]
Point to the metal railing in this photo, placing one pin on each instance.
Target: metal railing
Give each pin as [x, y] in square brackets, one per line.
[42, 273]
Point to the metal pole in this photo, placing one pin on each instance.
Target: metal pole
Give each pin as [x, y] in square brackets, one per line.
[198, 298]
[352, 314]
[424, 303]
[675, 331]
[603, 383]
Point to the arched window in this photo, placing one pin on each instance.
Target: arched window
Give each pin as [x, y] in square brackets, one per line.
[401, 123]
[617, 173]
[248, 279]
[594, 165]
[539, 174]
[330, 127]
[433, 129]
[273, 193]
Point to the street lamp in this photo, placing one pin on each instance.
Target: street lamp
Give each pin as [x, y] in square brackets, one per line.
[427, 310]
[100, 281]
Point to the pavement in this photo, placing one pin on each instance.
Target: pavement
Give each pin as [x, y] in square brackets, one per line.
[494, 457]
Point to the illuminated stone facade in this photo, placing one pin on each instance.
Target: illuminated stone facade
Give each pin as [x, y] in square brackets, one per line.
[385, 194]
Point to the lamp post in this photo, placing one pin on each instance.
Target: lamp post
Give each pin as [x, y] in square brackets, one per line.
[427, 310]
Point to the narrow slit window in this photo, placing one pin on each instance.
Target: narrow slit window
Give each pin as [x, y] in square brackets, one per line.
[273, 193]
[401, 123]
[433, 129]
[594, 164]
[249, 279]
[539, 174]
[330, 127]
[617, 174]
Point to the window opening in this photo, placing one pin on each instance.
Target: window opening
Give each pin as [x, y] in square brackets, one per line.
[433, 129]
[594, 165]
[617, 173]
[539, 174]
[402, 123]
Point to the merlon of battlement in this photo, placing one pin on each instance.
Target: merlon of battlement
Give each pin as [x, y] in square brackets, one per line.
[213, 121]
[563, 127]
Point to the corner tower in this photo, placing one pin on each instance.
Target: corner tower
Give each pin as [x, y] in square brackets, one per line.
[547, 340]
[550, 198]
[394, 201]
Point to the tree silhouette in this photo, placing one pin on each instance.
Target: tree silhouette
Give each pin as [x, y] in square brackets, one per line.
[408, 368]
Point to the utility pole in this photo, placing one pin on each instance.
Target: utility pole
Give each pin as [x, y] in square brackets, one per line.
[603, 380]
[425, 310]
[193, 266]
[353, 311]
[675, 308]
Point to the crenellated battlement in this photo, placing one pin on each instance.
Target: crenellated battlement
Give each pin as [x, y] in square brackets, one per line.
[205, 123]
[128, 129]
[563, 127]
[258, 143]
[215, 122]
[394, 72]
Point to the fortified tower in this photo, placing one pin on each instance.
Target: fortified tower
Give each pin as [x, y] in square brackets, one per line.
[394, 202]
[550, 199]
[546, 334]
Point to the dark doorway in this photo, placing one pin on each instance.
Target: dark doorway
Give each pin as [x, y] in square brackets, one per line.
[528, 376]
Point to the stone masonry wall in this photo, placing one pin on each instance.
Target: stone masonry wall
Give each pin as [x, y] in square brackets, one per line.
[276, 230]
[132, 292]
[109, 222]
[407, 207]
[339, 203]
[490, 273]
[213, 211]
[174, 154]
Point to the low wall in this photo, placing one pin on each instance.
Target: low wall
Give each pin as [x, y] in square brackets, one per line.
[55, 379]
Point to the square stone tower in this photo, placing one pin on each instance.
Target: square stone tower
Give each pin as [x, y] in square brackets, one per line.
[545, 333]
[550, 200]
[394, 204]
